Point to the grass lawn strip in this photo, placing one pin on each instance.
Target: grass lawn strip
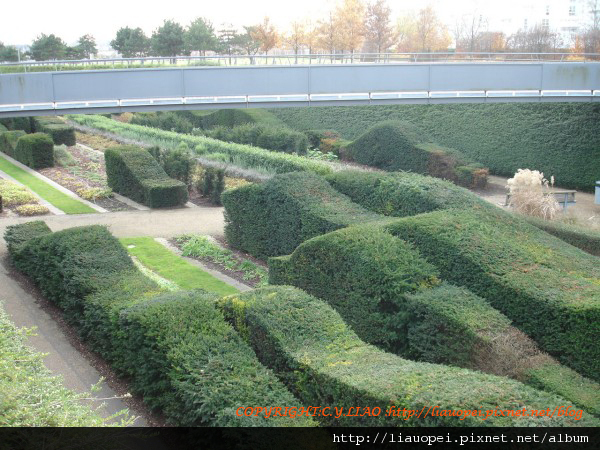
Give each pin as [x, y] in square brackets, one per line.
[44, 190]
[172, 267]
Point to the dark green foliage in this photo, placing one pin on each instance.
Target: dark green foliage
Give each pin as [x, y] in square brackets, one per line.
[60, 132]
[8, 141]
[168, 120]
[550, 289]
[133, 172]
[16, 236]
[403, 194]
[364, 273]
[233, 117]
[324, 363]
[3, 128]
[273, 218]
[186, 360]
[71, 264]
[559, 139]
[35, 150]
[177, 163]
[394, 145]
[586, 239]
[279, 139]
[16, 124]
[316, 137]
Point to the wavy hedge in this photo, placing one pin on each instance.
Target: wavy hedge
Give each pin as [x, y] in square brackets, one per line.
[178, 349]
[241, 155]
[35, 150]
[308, 344]
[133, 172]
[59, 131]
[586, 239]
[551, 290]
[272, 218]
[8, 141]
[396, 145]
[391, 297]
[559, 139]
[403, 194]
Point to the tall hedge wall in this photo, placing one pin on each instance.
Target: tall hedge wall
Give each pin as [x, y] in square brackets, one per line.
[308, 344]
[35, 150]
[278, 139]
[134, 173]
[8, 141]
[395, 145]
[550, 289]
[402, 194]
[177, 349]
[59, 131]
[272, 218]
[559, 139]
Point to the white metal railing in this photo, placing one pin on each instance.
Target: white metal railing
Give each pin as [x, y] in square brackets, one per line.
[337, 58]
[246, 100]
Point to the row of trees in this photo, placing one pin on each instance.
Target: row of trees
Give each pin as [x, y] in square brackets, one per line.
[351, 26]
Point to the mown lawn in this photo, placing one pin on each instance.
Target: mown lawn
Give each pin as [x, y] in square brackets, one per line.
[174, 268]
[50, 194]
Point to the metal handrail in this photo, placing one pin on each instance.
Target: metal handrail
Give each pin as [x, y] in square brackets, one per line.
[325, 58]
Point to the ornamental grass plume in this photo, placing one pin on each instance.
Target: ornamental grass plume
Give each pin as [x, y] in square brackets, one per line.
[530, 194]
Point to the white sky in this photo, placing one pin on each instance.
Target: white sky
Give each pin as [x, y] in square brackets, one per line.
[21, 22]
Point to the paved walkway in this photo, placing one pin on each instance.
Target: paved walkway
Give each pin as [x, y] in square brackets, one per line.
[63, 358]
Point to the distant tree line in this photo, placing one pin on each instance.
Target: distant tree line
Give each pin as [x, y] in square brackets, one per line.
[351, 26]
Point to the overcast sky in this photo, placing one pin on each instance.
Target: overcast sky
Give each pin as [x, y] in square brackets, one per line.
[23, 21]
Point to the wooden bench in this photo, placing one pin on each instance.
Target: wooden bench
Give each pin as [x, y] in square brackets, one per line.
[564, 198]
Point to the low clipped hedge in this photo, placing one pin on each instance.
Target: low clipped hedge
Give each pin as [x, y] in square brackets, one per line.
[60, 132]
[274, 217]
[395, 145]
[17, 124]
[8, 141]
[308, 344]
[134, 173]
[3, 128]
[166, 344]
[182, 353]
[551, 290]
[586, 239]
[401, 194]
[244, 156]
[234, 117]
[271, 138]
[35, 150]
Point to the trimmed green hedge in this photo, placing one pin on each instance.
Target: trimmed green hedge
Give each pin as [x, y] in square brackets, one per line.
[16, 236]
[271, 138]
[182, 353]
[3, 128]
[272, 218]
[8, 141]
[559, 139]
[60, 132]
[240, 155]
[133, 172]
[309, 346]
[586, 239]
[396, 146]
[550, 289]
[35, 150]
[18, 123]
[234, 117]
[402, 193]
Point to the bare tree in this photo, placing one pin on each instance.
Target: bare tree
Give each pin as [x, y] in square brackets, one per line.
[328, 35]
[539, 39]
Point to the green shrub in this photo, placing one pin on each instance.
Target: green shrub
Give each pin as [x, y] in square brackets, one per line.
[182, 355]
[324, 363]
[550, 289]
[403, 194]
[177, 163]
[316, 137]
[396, 146]
[63, 157]
[234, 117]
[3, 128]
[559, 139]
[60, 132]
[273, 218]
[35, 150]
[580, 237]
[17, 124]
[31, 395]
[133, 172]
[16, 236]
[268, 137]
[8, 141]
[243, 155]
[168, 120]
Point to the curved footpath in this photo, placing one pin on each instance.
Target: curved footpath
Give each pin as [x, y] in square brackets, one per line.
[64, 359]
